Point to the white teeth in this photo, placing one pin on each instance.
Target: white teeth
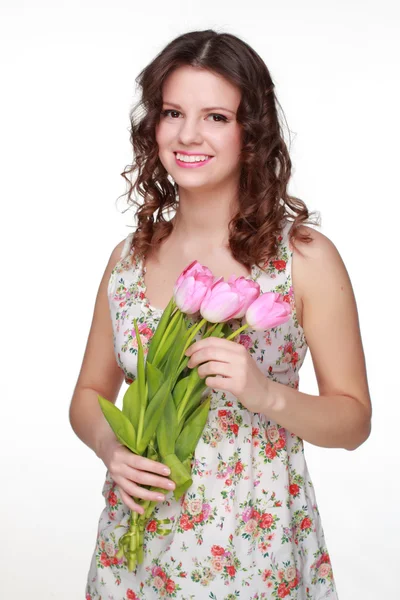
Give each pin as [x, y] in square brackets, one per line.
[186, 158]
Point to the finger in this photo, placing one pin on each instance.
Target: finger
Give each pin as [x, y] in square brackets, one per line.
[215, 368]
[206, 354]
[212, 342]
[147, 464]
[140, 492]
[129, 502]
[145, 478]
[218, 383]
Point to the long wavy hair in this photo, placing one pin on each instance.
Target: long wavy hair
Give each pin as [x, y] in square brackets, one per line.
[263, 201]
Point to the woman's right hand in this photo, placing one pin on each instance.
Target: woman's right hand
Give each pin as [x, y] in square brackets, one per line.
[128, 470]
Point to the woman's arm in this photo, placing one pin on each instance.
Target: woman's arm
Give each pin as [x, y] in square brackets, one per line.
[340, 417]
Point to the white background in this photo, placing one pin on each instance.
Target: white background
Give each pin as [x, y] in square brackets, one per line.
[67, 77]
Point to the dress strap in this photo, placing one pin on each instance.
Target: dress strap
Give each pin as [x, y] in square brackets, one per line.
[127, 246]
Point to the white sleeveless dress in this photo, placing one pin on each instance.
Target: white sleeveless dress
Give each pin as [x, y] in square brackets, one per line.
[249, 526]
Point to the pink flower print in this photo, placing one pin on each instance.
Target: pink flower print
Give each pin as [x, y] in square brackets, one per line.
[324, 570]
[250, 526]
[206, 510]
[245, 340]
[246, 514]
[158, 582]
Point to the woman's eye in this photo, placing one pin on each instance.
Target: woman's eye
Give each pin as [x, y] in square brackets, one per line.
[165, 112]
[170, 112]
[221, 118]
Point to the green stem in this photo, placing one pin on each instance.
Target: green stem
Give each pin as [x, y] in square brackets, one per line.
[174, 317]
[192, 333]
[235, 333]
[190, 386]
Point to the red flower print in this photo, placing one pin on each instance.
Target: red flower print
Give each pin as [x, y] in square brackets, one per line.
[112, 499]
[185, 523]
[234, 428]
[152, 526]
[270, 451]
[279, 264]
[294, 489]
[198, 518]
[231, 571]
[255, 514]
[238, 467]
[130, 594]
[294, 583]
[266, 520]
[295, 357]
[183, 574]
[254, 431]
[278, 503]
[170, 586]
[121, 304]
[229, 403]
[88, 597]
[279, 444]
[104, 559]
[222, 413]
[280, 238]
[228, 482]
[286, 298]
[217, 550]
[267, 573]
[325, 558]
[283, 590]
[306, 523]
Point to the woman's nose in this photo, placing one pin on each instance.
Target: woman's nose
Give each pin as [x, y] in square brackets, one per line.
[190, 132]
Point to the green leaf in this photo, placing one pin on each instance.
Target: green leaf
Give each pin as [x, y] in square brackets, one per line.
[180, 474]
[142, 387]
[167, 429]
[164, 352]
[179, 390]
[121, 426]
[141, 376]
[155, 379]
[160, 330]
[192, 431]
[153, 415]
[131, 403]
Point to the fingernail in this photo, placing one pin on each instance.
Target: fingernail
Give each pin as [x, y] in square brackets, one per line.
[166, 471]
[171, 484]
[160, 497]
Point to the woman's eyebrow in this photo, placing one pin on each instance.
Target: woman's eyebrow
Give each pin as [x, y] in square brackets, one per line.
[203, 109]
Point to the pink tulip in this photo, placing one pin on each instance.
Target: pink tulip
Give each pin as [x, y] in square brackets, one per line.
[191, 287]
[221, 302]
[248, 291]
[269, 310]
[196, 270]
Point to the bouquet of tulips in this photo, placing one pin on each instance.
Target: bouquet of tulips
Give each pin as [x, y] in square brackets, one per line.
[164, 410]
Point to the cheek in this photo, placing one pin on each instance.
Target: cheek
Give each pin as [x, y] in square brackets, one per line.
[231, 144]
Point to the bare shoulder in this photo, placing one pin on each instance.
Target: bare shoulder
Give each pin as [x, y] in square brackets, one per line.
[319, 258]
[330, 318]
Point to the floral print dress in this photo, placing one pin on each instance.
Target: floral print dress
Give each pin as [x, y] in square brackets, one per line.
[249, 526]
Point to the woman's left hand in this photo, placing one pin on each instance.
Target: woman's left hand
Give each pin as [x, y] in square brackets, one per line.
[233, 368]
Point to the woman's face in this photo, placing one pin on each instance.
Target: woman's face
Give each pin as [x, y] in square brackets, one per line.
[186, 127]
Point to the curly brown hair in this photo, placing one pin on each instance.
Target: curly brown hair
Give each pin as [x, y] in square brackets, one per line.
[266, 165]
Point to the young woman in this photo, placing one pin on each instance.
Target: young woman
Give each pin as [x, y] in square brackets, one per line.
[208, 145]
